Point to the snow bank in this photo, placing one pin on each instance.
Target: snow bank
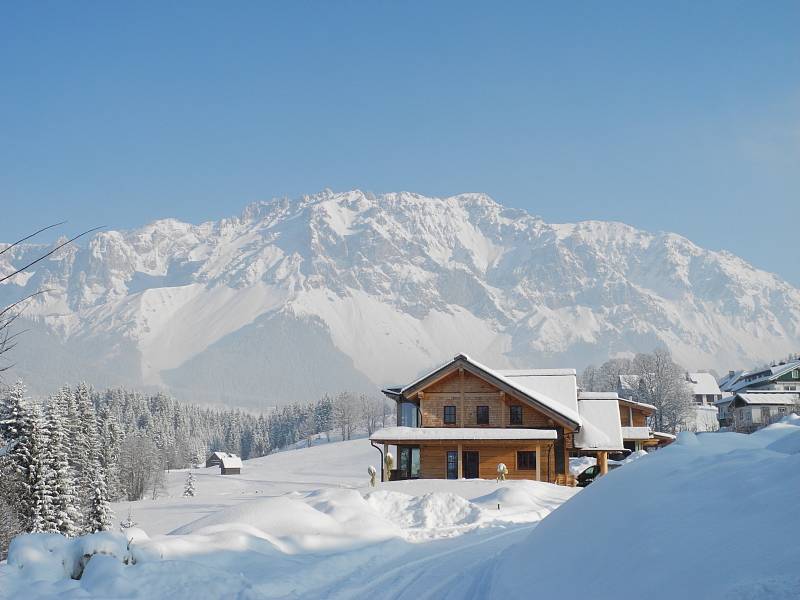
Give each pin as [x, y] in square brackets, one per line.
[707, 517]
[51, 556]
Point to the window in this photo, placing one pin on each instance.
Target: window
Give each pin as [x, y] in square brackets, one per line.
[452, 464]
[408, 414]
[796, 374]
[482, 415]
[449, 415]
[526, 461]
[516, 415]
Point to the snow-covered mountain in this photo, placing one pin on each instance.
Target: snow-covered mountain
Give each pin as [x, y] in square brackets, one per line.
[350, 290]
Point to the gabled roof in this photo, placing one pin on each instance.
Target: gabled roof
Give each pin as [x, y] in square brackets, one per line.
[751, 378]
[562, 406]
[724, 400]
[601, 427]
[766, 397]
[703, 383]
[629, 382]
[228, 460]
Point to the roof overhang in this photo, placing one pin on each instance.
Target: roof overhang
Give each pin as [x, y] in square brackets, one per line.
[393, 435]
[463, 362]
[635, 433]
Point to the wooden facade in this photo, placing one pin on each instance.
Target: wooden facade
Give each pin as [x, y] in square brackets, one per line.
[463, 398]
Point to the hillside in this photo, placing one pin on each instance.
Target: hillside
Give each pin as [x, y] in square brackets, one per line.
[365, 291]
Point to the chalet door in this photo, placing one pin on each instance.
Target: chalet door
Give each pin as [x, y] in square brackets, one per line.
[471, 460]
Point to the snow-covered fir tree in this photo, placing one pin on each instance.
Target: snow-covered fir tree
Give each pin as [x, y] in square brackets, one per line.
[188, 488]
[66, 516]
[99, 516]
[16, 424]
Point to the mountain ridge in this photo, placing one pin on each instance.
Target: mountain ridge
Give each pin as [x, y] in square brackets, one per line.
[388, 284]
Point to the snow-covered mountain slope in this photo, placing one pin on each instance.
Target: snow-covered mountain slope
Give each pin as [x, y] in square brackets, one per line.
[349, 290]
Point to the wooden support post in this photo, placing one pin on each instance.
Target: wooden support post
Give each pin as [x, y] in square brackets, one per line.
[602, 461]
[460, 463]
[460, 407]
[538, 462]
[385, 466]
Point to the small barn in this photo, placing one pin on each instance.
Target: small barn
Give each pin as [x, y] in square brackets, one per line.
[229, 464]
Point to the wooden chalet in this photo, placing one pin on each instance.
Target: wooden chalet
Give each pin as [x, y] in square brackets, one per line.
[462, 419]
[229, 464]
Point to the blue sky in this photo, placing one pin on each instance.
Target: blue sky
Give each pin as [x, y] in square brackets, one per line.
[669, 116]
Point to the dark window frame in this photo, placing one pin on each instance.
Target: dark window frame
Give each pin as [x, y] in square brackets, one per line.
[515, 415]
[526, 460]
[482, 414]
[445, 420]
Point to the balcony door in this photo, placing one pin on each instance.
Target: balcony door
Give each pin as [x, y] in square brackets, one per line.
[471, 461]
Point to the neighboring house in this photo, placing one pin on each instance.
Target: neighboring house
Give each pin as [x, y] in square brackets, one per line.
[628, 387]
[724, 412]
[229, 464]
[753, 410]
[705, 392]
[636, 434]
[783, 377]
[462, 419]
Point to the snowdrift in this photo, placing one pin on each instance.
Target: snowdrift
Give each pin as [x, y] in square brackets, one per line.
[711, 516]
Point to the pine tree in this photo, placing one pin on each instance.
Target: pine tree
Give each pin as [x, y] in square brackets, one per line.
[16, 425]
[188, 489]
[66, 517]
[39, 475]
[99, 516]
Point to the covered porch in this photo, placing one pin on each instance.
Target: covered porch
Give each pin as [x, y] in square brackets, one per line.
[468, 453]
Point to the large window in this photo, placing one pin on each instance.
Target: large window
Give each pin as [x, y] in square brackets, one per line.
[449, 415]
[516, 415]
[482, 415]
[407, 414]
[526, 460]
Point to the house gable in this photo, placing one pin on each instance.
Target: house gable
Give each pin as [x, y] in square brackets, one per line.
[466, 386]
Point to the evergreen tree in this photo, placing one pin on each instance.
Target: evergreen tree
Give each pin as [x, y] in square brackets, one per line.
[16, 425]
[38, 477]
[99, 516]
[66, 517]
[188, 488]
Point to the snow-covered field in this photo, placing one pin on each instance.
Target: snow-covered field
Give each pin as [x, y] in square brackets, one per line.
[301, 523]
[713, 516]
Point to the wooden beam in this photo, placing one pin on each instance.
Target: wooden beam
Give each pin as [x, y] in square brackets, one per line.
[602, 461]
[385, 467]
[538, 462]
[460, 461]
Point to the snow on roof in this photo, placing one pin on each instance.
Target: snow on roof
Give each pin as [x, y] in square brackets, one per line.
[703, 383]
[555, 389]
[629, 382]
[227, 460]
[635, 433]
[780, 398]
[751, 378]
[724, 400]
[601, 428]
[661, 434]
[399, 434]
[598, 396]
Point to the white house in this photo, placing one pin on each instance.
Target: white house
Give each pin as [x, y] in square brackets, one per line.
[754, 410]
[705, 392]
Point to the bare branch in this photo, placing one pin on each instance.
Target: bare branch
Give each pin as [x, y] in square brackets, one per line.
[35, 233]
[53, 251]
